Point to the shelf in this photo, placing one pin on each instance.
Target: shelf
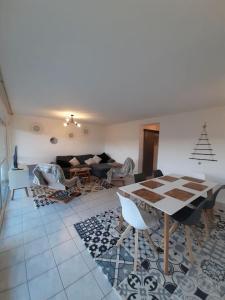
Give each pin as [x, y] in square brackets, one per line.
[203, 159]
[202, 153]
[203, 149]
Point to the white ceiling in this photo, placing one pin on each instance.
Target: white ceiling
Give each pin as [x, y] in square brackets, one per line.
[112, 60]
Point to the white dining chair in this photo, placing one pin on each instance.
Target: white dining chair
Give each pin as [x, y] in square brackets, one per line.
[137, 219]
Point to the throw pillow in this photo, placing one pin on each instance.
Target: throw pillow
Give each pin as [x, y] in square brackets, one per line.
[97, 159]
[104, 157]
[111, 160]
[63, 163]
[41, 178]
[74, 162]
[50, 178]
[90, 161]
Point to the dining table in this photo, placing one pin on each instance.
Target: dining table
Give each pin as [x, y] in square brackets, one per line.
[169, 194]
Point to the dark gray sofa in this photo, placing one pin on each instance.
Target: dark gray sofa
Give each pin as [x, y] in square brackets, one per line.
[100, 170]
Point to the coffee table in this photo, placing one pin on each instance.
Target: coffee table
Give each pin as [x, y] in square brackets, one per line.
[81, 172]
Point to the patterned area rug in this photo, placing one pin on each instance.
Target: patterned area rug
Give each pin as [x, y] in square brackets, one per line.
[41, 194]
[203, 280]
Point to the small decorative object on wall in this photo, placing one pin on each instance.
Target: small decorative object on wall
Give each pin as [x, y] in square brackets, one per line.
[86, 131]
[53, 140]
[71, 135]
[203, 148]
[36, 128]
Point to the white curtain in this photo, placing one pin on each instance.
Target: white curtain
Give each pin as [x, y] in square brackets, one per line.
[3, 164]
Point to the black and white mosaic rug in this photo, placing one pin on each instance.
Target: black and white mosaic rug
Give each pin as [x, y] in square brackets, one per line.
[41, 194]
[203, 280]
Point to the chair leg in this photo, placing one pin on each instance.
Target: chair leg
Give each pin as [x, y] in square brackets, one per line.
[196, 236]
[173, 228]
[124, 235]
[136, 250]
[206, 224]
[210, 214]
[189, 244]
[148, 237]
[121, 219]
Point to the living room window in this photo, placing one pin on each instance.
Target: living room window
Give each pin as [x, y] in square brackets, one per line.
[3, 164]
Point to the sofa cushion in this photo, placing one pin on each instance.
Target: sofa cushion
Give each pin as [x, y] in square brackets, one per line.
[63, 163]
[111, 160]
[64, 158]
[104, 158]
[90, 161]
[67, 158]
[100, 170]
[40, 176]
[82, 158]
[50, 178]
[97, 159]
[74, 162]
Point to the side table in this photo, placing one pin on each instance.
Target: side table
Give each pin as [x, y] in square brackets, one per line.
[19, 179]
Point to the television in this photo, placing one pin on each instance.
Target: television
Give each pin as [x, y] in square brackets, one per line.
[15, 159]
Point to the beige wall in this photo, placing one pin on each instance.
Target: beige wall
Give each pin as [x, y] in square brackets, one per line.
[35, 147]
[178, 135]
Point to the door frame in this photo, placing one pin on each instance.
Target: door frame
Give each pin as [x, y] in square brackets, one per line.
[155, 127]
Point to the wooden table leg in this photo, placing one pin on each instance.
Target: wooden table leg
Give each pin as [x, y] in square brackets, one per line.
[189, 244]
[166, 244]
[206, 224]
[211, 211]
[121, 219]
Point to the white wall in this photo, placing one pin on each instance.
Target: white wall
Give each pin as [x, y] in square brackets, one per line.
[34, 148]
[178, 135]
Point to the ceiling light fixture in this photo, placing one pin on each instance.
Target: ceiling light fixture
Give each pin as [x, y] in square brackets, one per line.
[71, 120]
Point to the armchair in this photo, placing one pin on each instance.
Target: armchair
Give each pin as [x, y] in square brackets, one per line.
[120, 173]
[52, 175]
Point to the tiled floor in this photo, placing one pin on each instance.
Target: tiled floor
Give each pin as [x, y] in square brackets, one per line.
[42, 256]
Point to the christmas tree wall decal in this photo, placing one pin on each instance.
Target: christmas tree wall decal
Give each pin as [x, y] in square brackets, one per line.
[203, 149]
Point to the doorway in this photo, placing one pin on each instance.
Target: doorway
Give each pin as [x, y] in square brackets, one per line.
[150, 149]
